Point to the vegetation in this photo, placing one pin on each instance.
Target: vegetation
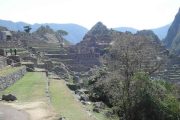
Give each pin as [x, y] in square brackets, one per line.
[27, 29]
[62, 32]
[128, 89]
[29, 88]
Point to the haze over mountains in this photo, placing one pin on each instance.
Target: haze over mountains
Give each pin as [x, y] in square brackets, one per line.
[76, 32]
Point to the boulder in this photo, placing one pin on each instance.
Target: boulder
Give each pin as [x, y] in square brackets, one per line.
[84, 97]
[83, 102]
[9, 97]
[99, 105]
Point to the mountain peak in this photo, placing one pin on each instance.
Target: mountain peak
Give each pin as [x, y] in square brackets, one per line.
[99, 24]
[98, 28]
[44, 29]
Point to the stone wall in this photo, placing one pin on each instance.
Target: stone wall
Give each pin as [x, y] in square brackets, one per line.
[6, 81]
[74, 56]
[3, 62]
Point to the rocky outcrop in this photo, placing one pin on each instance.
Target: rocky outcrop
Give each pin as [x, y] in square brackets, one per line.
[8, 80]
[172, 40]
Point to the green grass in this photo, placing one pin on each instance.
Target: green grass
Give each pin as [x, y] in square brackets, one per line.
[64, 102]
[8, 70]
[30, 88]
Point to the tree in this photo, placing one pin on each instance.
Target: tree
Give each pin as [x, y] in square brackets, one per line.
[62, 32]
[27, 29]
[128, 87]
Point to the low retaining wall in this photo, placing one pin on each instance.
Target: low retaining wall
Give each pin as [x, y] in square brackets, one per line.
[3, 62]
[6, 81]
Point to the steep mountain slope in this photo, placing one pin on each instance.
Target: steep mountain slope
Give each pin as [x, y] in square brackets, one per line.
[76, 32]
[172, 40]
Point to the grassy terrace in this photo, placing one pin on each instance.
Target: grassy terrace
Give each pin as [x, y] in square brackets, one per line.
[29, 88]
[32, 88]
[8, 70]
[64, 102]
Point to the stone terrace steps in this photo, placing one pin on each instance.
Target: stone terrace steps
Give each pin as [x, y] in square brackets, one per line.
[171, 72]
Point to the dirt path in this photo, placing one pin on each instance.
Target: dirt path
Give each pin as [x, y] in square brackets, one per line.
[9, 113]
[26, 111]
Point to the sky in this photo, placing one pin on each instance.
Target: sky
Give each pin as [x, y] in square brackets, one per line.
[139, 14]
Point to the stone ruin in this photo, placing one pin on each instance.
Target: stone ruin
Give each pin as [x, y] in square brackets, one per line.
[77, 62]
[14, 60]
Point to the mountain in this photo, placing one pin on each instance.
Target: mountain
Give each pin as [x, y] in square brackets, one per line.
[75, 32]
[172, 40]
[150, 35]
[15, 26]
[161, 32]
[95, 39]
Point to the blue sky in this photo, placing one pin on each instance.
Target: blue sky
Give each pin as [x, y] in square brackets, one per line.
[140, 14]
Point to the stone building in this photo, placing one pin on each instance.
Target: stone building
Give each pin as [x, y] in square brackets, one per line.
[5, 35]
